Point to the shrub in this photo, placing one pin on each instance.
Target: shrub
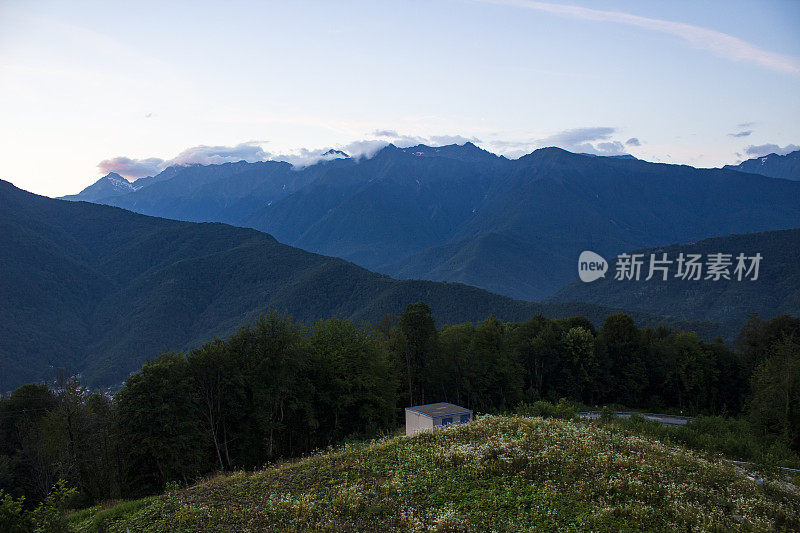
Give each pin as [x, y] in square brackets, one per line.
[564, 409]
[48, 517]
[607, 414]
[13, 516]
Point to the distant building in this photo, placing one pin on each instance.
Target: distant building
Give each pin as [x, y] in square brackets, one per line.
[422, 417]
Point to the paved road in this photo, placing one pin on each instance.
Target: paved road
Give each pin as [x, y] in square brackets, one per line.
[666, 420]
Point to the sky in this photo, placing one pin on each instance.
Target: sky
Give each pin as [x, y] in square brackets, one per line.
[92, 87]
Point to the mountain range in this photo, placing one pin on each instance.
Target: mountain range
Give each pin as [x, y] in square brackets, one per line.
[460, 213]
[772, 165]
[98, 290]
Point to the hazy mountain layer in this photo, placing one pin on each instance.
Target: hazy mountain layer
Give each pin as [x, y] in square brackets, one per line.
[459, 213]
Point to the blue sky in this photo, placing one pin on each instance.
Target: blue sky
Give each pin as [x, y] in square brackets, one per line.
[132, 86]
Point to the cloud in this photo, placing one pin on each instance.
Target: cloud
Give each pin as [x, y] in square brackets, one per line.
[214, 155]
[205, 155]
[132, 168]
[399, 139]
[718, 43]
[511, 149]
[588, 140]
[765, 149]
[404, 141]
[365, 149]
[744, 133]
[609, 148]
[745, 125]
[304, 157]
[594, 140]
[577, 136]
[442, 140]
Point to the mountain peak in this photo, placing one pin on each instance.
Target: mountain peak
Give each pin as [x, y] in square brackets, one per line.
[548, 152]
[110, 185]
[772, 165]
[333, 151]
[118, 181]
[462, 152]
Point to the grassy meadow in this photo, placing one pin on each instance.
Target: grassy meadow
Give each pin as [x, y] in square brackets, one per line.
[496, 474]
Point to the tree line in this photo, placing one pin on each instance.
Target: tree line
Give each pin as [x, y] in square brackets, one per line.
[277, 389]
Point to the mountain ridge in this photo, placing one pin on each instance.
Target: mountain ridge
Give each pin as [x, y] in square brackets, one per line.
[785, 166]
[404, 211]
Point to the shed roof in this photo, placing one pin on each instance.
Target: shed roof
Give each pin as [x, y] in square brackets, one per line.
[439, 409]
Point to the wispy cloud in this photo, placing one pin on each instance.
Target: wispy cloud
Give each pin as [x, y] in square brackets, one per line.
[765, 149]
[366, 148]
[596, 140]
[593, 140]
[745, 133]
[404, 141]
[303, 157]
[716, 42]
[128, 167]
[133, 168]
[250, 151]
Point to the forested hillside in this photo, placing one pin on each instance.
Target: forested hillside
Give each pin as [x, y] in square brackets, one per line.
[278, 390]
[98, 290]
[728, 301]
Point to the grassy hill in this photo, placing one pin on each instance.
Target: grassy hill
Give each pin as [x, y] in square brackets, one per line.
[498, 473]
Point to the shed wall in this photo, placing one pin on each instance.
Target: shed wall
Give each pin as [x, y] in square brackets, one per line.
[456, 419]
[417, 422]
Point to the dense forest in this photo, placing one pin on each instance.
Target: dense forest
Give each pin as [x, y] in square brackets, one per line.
[278, 389]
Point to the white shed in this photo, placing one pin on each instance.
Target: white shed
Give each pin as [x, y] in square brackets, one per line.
[422, 417]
